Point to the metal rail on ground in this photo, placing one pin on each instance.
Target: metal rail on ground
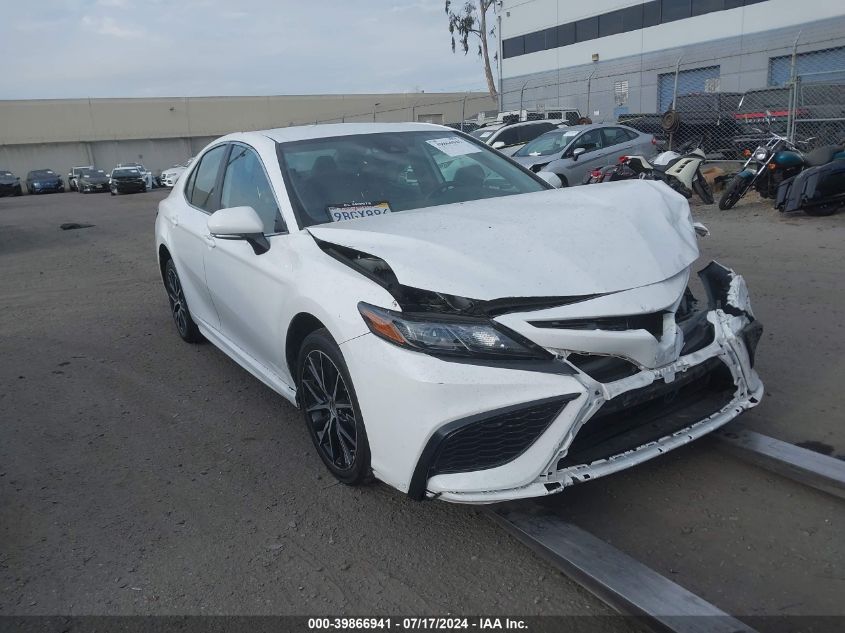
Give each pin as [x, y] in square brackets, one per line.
[796, 463]
[622, 582]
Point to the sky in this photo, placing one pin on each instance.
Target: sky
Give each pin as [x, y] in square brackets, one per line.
[156, 48]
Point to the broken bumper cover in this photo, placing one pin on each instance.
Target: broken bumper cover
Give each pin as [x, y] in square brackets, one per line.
[523, 425]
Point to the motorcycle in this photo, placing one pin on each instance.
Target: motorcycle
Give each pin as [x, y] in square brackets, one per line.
[820, 188]
[766, 168]
[681, 171]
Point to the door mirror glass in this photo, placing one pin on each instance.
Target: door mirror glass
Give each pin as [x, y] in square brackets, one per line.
[550, 178]
[577, 152]
[235, 222]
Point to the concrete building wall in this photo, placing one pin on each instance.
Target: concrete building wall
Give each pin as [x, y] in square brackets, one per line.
[740, 42]
[59, 134]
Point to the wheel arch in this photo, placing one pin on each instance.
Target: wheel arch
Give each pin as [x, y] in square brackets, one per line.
[300, 326]
[163, 256]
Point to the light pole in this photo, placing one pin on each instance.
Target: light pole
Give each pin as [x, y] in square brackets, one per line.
[375, 105]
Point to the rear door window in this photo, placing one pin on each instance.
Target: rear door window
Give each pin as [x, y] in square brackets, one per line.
[203, 185]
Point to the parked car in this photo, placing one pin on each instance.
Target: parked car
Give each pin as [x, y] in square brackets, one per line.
[127, 180]
[508, 138]
[170, 175]
[92, 180]
[145, 173]
[10, 185]
[44, 181]
[474, 337]
[573, 152]
[73, 174]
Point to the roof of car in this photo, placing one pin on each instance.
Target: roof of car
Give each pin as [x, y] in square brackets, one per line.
[323, 130]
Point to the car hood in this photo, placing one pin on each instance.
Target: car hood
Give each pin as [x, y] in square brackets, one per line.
[566, 242]
[530, 161]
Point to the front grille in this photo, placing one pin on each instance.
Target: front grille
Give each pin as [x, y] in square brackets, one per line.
[651, 323]
[495, 440]
[603, 368]
[645, 415]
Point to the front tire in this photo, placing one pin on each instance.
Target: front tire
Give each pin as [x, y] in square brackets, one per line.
[185, 325]
[822, 210]
[702, 189]
[331, 411]
[733, 192]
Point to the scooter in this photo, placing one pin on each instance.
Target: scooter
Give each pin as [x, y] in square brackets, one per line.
[766, 168]
[681, 171]
[820, 188]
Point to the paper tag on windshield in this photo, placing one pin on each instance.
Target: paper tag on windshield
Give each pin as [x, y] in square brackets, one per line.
[453, 146]
[357, 210]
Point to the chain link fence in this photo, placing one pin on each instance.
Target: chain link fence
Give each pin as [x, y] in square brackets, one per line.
[724, 96]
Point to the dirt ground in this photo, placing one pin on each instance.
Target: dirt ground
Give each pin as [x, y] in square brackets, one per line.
[139, 475]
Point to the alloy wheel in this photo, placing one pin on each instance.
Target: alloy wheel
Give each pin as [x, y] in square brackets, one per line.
[328, 408]
[177, 301]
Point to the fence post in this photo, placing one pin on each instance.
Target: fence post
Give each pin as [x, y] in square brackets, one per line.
[521, 93]
[675, 86]
[793, 92]
[463, 112]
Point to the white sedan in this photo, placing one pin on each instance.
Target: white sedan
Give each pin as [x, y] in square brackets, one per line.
[448, 321]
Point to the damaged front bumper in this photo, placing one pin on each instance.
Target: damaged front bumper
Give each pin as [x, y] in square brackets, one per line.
[578, 428]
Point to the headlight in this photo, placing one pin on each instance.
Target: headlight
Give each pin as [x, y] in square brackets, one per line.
[443, 335]
[36, 184]
[760, 154]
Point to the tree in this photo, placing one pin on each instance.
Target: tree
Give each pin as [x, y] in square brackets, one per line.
[471, 22]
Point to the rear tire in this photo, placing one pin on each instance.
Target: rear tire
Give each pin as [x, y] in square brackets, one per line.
[702, 189]
[733, 192]
[185, 325]
[330, 407]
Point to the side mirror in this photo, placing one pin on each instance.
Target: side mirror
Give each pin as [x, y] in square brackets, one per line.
[498, 145]
[700, 229]
[550, 178]
[577, 152]
[239, 223]
[235, 222]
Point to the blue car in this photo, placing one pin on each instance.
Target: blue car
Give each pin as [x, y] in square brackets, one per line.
[44, 181]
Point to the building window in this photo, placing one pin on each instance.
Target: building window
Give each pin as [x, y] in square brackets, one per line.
[535, 42]
[610, 23]
[671, 10]
[651, 13]
[566, 34]
[551, 37]
[587, 29]
[632, 18]
[700, 7]
[513, 46]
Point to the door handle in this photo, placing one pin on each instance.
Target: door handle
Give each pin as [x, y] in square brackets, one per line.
[210, 242]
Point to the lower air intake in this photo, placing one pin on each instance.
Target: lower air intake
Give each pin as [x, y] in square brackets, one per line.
[496, 440]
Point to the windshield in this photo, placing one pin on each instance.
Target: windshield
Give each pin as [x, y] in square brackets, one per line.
[350, 177]
[126, 172]
[483, 133]
[44, 173]
[549, 143]
[91, 172]
[5, 173]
